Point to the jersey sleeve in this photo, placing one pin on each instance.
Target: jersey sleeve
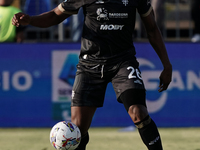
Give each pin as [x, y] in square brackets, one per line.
[144, 8]
[70, 6]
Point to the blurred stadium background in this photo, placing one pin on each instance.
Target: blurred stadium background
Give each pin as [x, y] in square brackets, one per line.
[178, 24]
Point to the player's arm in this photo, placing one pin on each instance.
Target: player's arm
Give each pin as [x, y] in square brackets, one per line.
[43, 20]
[156, 40]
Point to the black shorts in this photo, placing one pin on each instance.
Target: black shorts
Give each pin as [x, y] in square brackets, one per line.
[91, 82]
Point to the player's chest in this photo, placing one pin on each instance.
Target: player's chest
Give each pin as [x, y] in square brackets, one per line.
[111, 9]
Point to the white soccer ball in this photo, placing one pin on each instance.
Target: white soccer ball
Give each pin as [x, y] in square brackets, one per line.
[65, 136]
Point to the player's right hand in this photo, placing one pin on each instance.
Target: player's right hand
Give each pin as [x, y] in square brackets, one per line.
[165, 78]
[21, 19]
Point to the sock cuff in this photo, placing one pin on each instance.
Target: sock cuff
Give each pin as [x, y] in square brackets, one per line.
[144, 122]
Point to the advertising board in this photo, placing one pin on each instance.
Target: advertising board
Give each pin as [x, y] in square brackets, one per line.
[36, 82]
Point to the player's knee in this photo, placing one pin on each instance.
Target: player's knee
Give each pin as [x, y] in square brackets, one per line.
[137, 112]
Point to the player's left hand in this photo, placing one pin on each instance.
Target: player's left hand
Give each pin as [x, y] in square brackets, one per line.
[21, 19]
[165, 78]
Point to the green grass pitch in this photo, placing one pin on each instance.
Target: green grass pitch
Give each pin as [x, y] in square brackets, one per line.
[100, 139]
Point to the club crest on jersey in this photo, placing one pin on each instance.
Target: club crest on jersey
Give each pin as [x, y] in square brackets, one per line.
[102, 14]
[125, 2]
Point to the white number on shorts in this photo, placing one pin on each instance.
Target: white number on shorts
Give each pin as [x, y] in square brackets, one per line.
[131, 74]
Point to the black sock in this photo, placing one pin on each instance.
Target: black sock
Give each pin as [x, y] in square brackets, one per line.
[83, 143]
[149, 134]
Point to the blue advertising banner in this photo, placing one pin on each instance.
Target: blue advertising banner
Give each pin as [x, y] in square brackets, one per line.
[36, 82]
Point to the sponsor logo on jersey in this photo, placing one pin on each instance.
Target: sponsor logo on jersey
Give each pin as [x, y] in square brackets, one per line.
[125, 2]
[102, 14]
[111, 27]
[118, 15]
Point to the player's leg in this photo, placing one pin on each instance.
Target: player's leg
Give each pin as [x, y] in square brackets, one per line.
[82, 117]
[146, 127]
[87, 94]
[134, 102]
[130, 91]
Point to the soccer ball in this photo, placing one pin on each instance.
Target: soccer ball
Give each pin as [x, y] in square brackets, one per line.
[65, 136]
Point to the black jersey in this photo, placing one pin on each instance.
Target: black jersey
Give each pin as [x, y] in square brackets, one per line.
[108, 26]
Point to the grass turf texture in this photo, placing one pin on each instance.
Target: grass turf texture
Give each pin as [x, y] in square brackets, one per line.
[100, 139]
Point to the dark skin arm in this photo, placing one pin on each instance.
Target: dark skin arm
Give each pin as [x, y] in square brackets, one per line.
[43, 20]
[156, 40]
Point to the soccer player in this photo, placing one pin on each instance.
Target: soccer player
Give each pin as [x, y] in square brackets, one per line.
[108, 55]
